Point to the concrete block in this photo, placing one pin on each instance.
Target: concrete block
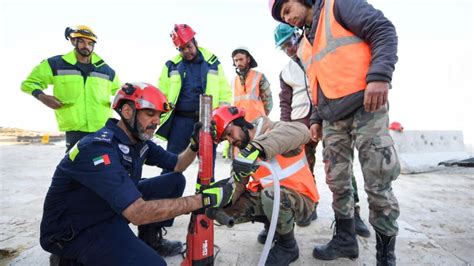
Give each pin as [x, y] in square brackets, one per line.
[421, 150]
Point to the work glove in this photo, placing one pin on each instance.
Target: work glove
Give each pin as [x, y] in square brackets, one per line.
[218, 195]
[194, 142]
[244, 164]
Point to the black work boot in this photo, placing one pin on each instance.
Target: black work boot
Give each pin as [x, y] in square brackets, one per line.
[262, 236]
[284, 251]
[152, 235]
[55, 260]
[360, 228]
[342, 245]
[385, 249]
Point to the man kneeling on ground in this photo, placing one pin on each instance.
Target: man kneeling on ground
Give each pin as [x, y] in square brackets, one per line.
[281, 145]
[97, 189]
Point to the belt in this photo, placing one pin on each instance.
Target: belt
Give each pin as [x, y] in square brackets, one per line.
[194, 114]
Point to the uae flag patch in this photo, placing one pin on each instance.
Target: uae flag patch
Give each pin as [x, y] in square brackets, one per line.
[104, 159]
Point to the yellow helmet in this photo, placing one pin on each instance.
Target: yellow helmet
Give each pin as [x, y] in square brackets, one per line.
[80, 31]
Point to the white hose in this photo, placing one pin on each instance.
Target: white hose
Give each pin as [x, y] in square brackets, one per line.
[275, 211]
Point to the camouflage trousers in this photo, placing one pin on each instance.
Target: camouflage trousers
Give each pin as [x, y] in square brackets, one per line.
[258, 207]
[368, 132]
[310, 152]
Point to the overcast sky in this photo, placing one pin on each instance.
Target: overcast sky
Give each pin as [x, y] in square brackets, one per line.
[432, 83]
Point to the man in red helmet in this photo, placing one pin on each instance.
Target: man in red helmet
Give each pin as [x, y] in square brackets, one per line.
[349, 52]
[280, 144]
[97, 189]
[194, 71]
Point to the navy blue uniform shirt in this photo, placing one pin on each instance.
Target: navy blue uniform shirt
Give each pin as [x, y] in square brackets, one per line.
[192, 75]
[97, 180]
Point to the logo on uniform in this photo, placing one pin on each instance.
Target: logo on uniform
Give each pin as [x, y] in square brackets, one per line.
[104, 159]
[124, 148]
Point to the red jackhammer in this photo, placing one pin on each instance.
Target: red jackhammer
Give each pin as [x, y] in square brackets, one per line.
[200, 238]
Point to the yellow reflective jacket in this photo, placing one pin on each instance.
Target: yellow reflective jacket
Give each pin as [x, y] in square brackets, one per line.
[216, 83]
[85, 99]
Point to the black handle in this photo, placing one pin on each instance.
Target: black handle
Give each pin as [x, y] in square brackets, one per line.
[220, 216]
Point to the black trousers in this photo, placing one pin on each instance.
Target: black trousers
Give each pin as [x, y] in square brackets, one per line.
[72, 137]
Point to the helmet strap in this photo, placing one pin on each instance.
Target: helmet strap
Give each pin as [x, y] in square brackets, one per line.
[132, 125]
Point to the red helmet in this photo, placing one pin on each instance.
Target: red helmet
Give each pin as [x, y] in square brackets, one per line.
[144, 95]
[223, 116]
[396, 126]
[182, 34]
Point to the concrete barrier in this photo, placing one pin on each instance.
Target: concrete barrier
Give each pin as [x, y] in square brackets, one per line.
[421, 150]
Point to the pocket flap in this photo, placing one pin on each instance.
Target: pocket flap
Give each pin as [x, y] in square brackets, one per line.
[382, 141]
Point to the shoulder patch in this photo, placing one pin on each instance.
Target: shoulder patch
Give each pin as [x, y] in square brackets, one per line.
[124, 148]
[104, 135]
[104, 159]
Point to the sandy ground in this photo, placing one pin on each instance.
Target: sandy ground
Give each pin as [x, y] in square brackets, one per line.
[436, 221]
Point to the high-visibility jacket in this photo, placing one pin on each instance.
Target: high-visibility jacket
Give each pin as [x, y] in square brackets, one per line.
[216, 83]
[85, 99]
[337, 61]
[293, 173]
[247, 95]
[295, 77]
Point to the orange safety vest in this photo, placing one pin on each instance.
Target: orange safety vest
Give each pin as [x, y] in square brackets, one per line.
[338, 60]
[293, 173]
[247, 96]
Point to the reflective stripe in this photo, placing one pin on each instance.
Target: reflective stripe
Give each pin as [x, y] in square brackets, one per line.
[74, 152]
[253, 92]
[331, 43]
[64, 72]
[213, 72]
[100, 75]
[305, 62]
[299, 105]
[299, 91]
[246, 97]
[244, 160]
[146, 104]
[283, 173]
[174, 72]
[254, 84]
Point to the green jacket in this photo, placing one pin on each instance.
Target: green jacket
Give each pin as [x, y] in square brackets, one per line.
[85, 99]
[216, 82]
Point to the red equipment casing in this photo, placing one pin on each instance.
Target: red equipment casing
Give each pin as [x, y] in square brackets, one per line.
[200, 238]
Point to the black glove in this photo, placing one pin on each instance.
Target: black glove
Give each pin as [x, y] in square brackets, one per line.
[218, 194]
[214, 130]
[244, 165]
[194, 142]
[195, 135]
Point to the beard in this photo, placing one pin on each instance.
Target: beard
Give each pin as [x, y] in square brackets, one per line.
[242, 69]
[245, 140]
[84, 52]
[142, 132]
